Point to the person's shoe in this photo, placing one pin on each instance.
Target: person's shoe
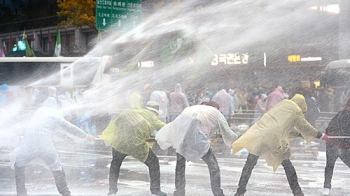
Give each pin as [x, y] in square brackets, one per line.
[179, 193]
[299, 194]
[159, 193]
[239, 194]
[326, 191]
[112, 192]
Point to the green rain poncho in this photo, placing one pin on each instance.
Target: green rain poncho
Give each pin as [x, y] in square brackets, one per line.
[269, 137]
[128, 132]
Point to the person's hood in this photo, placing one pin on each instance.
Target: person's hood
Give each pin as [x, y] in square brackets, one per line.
[231, 92]
[300, 101]
[158, 85]
[4, 87]
[178, 88]
[222, 91]
[280, 89]
[52, 90]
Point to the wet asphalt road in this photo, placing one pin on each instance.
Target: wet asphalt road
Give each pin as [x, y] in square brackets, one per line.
[134, 178]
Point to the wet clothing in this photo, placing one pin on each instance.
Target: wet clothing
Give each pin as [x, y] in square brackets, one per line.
[269, 137]
[127, 135]
[128, 132]
[274, 97]
[8, 139]
[332, 154]
[313, 112]
[37, 143]
[189, 133]
[260, 107]
[249, 166]
[339, 126]
[214, 171]
[224, 101]
[178, 102]
[59, 176]
[162, 99]
[337, 148]
[152, 163]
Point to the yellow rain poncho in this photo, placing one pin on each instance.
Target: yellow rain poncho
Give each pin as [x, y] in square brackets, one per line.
[128, 132]
[269, 137]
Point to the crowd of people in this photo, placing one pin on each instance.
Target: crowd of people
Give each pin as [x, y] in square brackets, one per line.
[184, 121]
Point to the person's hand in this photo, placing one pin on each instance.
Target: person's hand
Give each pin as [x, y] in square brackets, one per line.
[90, 138]
[324, 137]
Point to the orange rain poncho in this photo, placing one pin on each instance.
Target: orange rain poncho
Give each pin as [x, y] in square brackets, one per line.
[269, 137]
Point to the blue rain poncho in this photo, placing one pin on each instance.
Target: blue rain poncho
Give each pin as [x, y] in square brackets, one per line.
[189, 133]
[37, 141]
[128, 132]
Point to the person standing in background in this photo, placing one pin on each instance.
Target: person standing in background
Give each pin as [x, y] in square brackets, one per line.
[260, 108]
[224, 100]
[159, 96]
[312, 112]
[274, 97]
[178, 102]
[234, 101]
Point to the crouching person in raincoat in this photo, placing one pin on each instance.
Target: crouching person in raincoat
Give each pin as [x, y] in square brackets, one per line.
[127, 134]
[269, 138]
[37, 143]
[189, 134]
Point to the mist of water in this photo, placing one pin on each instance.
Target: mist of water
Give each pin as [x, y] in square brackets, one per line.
[212, 28]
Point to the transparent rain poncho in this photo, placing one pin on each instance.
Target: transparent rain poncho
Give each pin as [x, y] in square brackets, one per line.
[269, 137]
[8, 139]
[37, 141]
[129, 131]
[189, 133]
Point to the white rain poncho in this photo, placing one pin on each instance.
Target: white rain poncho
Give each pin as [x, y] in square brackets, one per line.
[37, 141]
[162, 99]
[8, 139]
[189, 133]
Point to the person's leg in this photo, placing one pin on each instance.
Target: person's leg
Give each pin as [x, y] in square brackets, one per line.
[50, 156]
[214, 172]
[152, 162]
[20, 181]
[332, 156]
[246, 173]
[114, 171]
[291, 176]
[61, 182]
[180, 178]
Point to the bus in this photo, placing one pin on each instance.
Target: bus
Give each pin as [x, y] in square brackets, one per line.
[54, 71]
